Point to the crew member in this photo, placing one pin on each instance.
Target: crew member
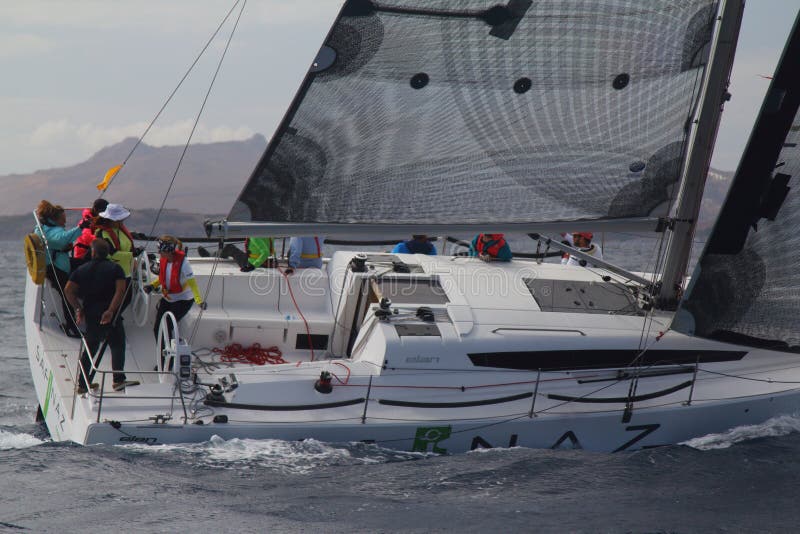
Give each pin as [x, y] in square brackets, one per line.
[111, 228]
[418, 244]
[490, 247]
[81, 251]
[258, 252]
[53, 220]
[96, 290]
[305, 252]
[583, 242]
[176, 281]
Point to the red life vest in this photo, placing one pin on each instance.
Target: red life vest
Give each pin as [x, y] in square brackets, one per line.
[113, 235]
[86, 237]
[491, 250]
[174, 276]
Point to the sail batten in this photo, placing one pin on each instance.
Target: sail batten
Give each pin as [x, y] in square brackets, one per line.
[510, 112]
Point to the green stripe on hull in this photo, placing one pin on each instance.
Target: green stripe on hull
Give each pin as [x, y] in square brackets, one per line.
[47, 395]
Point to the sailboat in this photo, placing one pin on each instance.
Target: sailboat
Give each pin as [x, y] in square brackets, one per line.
[446, 118]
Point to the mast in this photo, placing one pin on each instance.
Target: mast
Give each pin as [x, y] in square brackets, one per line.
[701, 143]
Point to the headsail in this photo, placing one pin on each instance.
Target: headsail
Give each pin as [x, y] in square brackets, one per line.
[746, 286]
[472, 111]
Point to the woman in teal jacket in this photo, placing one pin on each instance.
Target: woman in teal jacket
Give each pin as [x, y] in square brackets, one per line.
[59, 241]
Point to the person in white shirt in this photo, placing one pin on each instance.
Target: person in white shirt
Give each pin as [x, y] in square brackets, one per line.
[583, 242]
[176, 281]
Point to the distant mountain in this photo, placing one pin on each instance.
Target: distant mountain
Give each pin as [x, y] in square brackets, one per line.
[171, 221]
[210, 178]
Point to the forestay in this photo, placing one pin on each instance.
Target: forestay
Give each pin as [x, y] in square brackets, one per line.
[746, 287]
[472, 111]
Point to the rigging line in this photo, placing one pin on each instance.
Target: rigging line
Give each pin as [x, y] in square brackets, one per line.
[205, 295]
[186, 146]
[163, 107]
[766, 380]
[658, 265]
[197, 119]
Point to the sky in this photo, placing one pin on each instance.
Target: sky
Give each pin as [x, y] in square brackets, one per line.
[84, 74]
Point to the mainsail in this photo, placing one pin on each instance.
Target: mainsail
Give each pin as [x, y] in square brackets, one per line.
[471, 111]
[746, 286]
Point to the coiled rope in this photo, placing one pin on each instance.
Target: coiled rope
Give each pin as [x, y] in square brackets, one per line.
[254, 354]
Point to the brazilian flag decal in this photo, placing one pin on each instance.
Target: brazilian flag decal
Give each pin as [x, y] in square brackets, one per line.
[430, 436]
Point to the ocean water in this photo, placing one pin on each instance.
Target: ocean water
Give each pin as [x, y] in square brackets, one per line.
[745, 480]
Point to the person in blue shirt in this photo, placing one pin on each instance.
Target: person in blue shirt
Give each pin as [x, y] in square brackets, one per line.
[418, 244]
[305, 252]
[490, 247]
[53, 220]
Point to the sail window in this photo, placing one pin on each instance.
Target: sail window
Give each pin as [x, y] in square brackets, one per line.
[419, 80]
[358, 8]
[325, 58]
[637, 166]
[621, 81]
[522, 85]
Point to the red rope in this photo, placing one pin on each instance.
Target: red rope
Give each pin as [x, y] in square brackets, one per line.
[254, 354]
[296, 307]
[347, 379]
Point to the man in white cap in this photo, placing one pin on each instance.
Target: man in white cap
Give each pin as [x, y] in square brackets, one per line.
[111, 228]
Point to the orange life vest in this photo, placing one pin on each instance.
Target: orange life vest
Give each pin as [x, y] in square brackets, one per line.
[491, 250]
[174, 276]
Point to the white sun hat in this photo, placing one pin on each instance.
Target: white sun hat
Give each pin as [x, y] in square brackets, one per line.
[115, 212]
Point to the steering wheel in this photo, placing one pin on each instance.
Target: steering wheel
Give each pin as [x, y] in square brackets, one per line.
[140, 302]
[165, 346]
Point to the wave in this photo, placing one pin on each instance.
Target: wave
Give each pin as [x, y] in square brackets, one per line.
[12, 440]
[291, 457]
[777, 426]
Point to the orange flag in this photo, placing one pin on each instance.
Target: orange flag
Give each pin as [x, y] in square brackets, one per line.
[107, 178]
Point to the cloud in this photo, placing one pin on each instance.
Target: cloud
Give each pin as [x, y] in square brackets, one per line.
[94, 137]
[23, 44]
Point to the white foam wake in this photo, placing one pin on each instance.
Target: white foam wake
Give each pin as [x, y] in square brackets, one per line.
[777, 426]
[10, 440]
[297, 457]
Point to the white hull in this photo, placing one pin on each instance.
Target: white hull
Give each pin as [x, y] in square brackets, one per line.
[416, 391]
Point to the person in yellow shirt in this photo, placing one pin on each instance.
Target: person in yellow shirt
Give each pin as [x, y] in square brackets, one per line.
[109, 226]
[258, 252]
